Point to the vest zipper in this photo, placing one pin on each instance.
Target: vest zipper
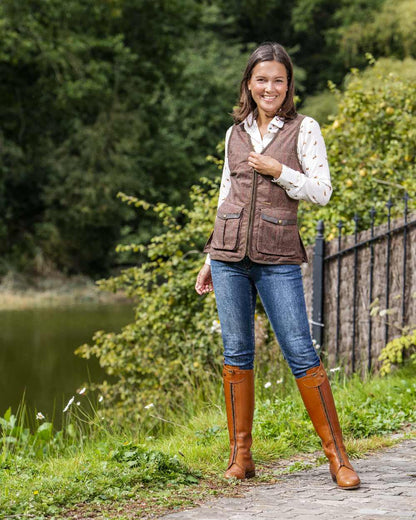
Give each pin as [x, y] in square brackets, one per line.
[250, 217]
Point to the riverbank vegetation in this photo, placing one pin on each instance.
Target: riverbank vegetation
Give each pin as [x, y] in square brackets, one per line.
[142, 467]
[18, 292]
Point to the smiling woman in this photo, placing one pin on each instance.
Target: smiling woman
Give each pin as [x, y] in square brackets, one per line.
[273, 158]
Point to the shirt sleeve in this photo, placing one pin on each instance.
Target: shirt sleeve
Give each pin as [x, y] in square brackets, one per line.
[225, 181]
[314, 184]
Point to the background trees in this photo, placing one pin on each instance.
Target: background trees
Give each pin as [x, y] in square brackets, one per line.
[101, 96]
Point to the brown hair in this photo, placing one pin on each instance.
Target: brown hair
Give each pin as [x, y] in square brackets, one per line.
[267, 51]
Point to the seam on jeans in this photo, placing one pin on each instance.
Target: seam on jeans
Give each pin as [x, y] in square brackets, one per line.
[252, 312]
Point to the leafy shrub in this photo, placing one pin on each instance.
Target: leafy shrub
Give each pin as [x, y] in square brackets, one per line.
[153, 466]
[17, 438]
[173, 347]
[396, 350]
[371, 146]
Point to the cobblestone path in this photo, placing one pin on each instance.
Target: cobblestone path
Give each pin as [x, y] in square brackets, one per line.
[388, 491]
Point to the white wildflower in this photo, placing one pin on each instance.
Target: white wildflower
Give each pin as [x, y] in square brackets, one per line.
[279, 381]
[78, 403]
[151, 405]
[317, 346]
[267, 385]
[100, 399]
[69, 404]
[383, 312]
[216, 326]
[336, 369]
[40, 416]
[82, 391]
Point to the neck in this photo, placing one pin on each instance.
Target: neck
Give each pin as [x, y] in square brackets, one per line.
[263, 119]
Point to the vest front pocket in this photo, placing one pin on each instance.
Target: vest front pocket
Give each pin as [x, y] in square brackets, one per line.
[277, 234]
[227, 227]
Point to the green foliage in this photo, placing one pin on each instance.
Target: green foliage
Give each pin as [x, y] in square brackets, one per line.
[396, 350]
[18, 439]
[154, 466]
[320, 106]
[371, 148]
[91, 104]
[173, 348]
[388, 32]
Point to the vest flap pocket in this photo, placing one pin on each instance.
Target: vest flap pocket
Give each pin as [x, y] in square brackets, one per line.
[228, 210]
[277, 233]
[280, 220]
[227, 226]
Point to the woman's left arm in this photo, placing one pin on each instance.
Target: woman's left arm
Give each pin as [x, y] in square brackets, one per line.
[314, 184]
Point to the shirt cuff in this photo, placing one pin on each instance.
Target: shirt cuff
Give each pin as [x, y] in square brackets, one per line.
[288, 178]
[208, 260]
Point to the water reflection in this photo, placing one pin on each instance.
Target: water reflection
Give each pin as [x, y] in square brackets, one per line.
[37, 352]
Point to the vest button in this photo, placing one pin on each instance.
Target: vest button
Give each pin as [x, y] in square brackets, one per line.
[280, 221]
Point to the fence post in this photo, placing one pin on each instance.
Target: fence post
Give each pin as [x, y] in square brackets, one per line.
[318, 286]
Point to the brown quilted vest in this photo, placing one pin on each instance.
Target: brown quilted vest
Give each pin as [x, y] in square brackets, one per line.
[258, 218]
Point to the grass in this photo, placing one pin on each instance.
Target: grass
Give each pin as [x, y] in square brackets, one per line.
[129, 472]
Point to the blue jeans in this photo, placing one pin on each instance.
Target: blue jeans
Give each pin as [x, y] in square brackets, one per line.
[280, 288]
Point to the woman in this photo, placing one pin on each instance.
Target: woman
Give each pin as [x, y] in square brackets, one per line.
[273, 158]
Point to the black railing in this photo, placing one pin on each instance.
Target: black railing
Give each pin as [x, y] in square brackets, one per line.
[319, 269]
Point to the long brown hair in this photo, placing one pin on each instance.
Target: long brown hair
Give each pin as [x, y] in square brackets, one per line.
[267, 51]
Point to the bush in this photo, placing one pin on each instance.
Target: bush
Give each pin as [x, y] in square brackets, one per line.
[371, 146]
[173, 347]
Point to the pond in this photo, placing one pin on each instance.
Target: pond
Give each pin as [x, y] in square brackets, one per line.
[37, 353]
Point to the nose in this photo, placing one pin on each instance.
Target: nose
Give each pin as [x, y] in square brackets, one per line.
[269, 86]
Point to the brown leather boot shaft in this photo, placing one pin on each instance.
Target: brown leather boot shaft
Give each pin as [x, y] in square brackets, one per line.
[239, 403]
[317, 396]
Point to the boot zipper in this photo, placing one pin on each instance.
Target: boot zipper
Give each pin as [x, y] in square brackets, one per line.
[341, 460]
[234, 428]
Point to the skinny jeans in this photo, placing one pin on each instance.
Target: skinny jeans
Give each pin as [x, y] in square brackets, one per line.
[280, 288]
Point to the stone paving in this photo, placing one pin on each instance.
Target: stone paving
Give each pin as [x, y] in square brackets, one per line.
[388, 491]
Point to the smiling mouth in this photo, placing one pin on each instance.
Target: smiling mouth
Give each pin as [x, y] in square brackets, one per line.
[269, 98]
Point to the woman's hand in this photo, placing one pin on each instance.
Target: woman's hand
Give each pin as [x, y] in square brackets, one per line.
[265, 164]
[204, 280]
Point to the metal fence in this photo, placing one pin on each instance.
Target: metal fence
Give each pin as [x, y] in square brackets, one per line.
[320, 262]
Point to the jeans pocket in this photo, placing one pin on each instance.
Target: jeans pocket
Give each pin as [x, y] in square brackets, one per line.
[227, 227]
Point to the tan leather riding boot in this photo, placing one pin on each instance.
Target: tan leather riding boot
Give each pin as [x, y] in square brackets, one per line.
[319, 402]
[239, 403]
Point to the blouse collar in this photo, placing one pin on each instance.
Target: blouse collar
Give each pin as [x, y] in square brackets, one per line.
[250, 123]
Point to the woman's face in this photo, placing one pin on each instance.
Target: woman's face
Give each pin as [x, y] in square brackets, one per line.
[268, 86]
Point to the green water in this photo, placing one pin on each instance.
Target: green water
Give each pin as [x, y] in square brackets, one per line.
[37, 353]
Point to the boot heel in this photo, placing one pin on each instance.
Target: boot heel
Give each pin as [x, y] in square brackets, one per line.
[250, 474]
